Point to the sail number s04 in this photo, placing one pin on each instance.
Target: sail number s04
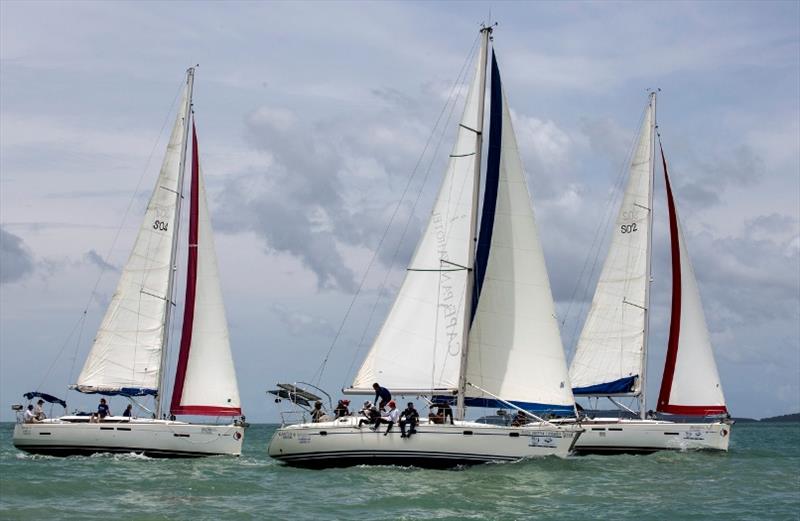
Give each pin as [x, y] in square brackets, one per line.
[160, 225]
[628, 228]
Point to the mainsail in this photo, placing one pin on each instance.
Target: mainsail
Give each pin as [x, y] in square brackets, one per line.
[205, 380]
[609, 358]
[691, 383]
[125, 357]
[419, 345]
[515, 349]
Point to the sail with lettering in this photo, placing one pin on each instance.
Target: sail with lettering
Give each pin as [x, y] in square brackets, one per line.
[610, 355]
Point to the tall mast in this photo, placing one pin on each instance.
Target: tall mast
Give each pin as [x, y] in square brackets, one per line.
[643, 381]
[173, 256]
[486, 32]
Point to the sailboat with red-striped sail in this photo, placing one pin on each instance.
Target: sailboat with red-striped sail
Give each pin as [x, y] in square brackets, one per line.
[129, 354]
[611, 355]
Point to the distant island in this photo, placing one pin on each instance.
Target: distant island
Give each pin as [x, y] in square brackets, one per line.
[783, 418]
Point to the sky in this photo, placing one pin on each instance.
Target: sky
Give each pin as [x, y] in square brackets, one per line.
[312, 119]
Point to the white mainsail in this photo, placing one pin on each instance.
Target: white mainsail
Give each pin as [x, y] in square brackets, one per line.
[691, 383]
[126, 354]
[609, 358]
[515, 348]
[206, 380]
[419, 345]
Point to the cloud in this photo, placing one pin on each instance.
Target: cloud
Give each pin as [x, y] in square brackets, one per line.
[92, 257]
[302, 324]
[16, 261]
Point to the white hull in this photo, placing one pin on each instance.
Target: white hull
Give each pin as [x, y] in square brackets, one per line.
[71, 435]
[340, 443]
[612, 435]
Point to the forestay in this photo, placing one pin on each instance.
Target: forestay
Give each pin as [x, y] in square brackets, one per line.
[419, 345]
[205, 380]
[609, 358]
[691, 383]
[126, 353]
[515, 350]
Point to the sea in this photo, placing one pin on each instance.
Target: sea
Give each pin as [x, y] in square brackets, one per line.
[759, 479]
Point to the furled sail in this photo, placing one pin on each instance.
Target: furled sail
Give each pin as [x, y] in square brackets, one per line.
[691, 383]
[205, 380]
[125, 357]
[515, 350]
[609, 358]
[419, 345]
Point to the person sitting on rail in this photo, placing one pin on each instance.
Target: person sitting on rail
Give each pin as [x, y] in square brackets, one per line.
[389, 418]
[409, 417]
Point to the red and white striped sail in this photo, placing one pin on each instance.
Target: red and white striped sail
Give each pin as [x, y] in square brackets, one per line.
[691, 383]
[205, 381]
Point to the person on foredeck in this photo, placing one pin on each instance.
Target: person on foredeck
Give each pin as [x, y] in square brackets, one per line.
[341, 409]
[38, 410]
[389, 418]
[128, 411]
[409, 417]
[317, 413]
[103, 410]
[383, 394]
[29, 416]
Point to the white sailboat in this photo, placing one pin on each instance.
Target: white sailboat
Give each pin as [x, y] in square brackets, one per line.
[471, 324]
[128, 356]
[611, 356]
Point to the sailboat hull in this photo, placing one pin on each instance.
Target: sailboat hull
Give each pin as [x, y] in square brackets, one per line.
[622, 436]
[341, 443]
[75, 435]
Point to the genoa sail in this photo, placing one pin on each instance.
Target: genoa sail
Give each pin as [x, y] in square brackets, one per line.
[205, 380]
[515, 349]
[420, 343]
[691, 384]
[610, 354]
[125, 357]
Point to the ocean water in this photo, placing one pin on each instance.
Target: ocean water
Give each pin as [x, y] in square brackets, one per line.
[759, 479]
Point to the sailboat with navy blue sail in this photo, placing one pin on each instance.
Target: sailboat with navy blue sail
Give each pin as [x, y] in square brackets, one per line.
[472, 324]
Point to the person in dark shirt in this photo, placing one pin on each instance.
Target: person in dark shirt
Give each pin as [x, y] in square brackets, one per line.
[128, 411]
[382, 393]
[102, 409]
[520, 419]
[317, 413]
[341, 409]
[445, 412]
[409, 417]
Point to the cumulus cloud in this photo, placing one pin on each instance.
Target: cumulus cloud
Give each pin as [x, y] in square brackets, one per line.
[16, 261]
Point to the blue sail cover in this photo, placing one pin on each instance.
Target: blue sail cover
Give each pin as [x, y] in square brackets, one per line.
[621, 386]
[491, 403]
[49, 398]
[122, 391]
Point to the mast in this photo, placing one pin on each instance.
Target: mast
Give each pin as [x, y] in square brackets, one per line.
[172, 259]
[486, 32]
[643, 381]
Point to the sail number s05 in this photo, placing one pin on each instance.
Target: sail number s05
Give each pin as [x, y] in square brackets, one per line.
[160, 225]
[628, 228]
